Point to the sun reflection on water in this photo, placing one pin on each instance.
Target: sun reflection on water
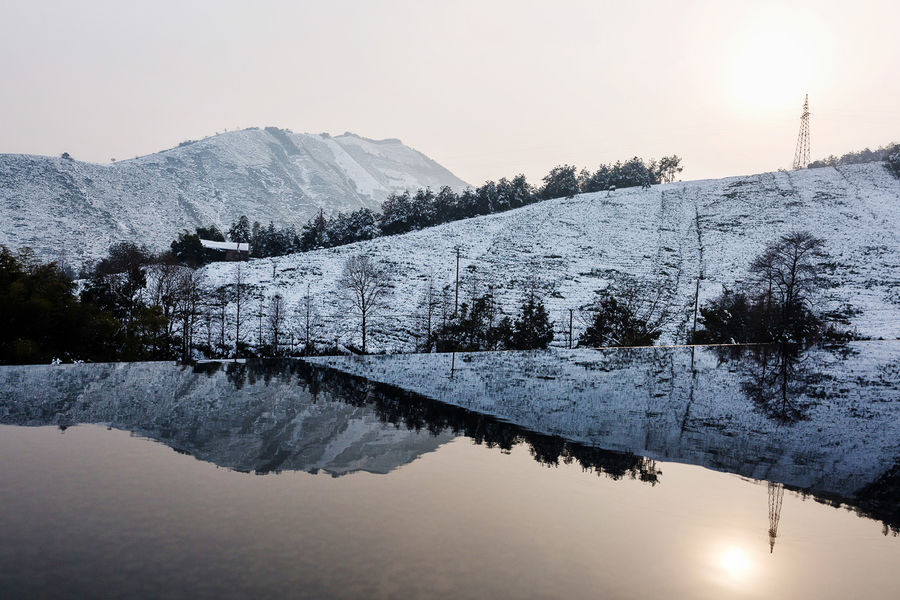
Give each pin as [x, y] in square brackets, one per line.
[730, 567]
[734, 563]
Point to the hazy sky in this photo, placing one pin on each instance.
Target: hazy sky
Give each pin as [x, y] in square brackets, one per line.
[487, 88]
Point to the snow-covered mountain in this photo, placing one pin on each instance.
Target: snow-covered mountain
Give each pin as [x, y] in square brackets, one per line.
[670, 235]
[75, 210]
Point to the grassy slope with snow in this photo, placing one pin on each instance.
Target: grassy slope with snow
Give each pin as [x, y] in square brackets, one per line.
[671, 234]
[75, 210]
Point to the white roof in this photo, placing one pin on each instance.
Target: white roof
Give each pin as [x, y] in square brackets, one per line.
[238, 246]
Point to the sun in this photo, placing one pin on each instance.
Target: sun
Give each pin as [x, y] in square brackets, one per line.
[769, 71]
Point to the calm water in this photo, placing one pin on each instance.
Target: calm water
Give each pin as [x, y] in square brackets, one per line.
[288, 481]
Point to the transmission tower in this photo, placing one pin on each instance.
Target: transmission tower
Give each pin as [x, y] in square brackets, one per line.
[801, 155]
[776, 494]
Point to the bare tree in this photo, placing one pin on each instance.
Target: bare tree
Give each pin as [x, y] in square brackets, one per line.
[786, 271]
[308, 319]
[219, 303]
[426, 314]
[276, 319]
[187, 307]
[260, 315]
[162, 283]
[209, 313]
[239, 293]
[365, 284]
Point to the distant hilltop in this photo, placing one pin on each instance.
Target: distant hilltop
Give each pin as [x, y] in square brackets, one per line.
[72, 210]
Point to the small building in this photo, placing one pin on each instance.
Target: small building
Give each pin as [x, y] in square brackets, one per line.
[232, 250]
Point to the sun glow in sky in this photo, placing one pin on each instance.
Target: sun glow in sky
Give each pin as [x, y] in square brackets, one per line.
[770, 70]
[488, 89]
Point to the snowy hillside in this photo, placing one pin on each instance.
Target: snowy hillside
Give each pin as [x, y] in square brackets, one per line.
[682, 404]
[74, 210]
[669, 235]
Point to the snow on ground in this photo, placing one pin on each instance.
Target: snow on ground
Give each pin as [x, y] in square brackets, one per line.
[570, 247]
[679, 404]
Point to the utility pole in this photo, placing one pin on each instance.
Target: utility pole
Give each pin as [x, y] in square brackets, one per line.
[696, 306]
[308, 302]
[570, 328]
[238, 283]
[259, 333]
[456, 299]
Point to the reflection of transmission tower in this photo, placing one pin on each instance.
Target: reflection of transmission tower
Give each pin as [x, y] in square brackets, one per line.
[776, 493]
[801, 155]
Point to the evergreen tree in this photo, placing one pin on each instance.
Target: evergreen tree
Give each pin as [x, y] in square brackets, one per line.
[211, 233]
[560, 182]
[533, 329]
[423, 209]
[445, 205]
[396, 214]
[521, 192]
[467, 204]
[486, 198]
[256, 240]
[616, 323]
[364, 225]
[40, 317]
[240, 230]
[314, 234]
[188, 250]
[630, 313]
[668, 168]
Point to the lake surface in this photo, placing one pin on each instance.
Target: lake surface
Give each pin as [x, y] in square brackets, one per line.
[293, 480]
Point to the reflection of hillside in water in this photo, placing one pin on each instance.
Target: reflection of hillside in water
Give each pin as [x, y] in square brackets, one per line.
[407, 409]
[255, 418]
[275, 415]
[825, 422]
[820, 427]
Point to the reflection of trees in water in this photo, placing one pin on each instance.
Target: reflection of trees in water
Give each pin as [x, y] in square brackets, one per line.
[192, 420]
[775, 377]
[879, 500]
[409, 410]
[780, 380]
[776, 380]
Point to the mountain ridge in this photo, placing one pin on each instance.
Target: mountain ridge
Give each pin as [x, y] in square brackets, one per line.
[72, 210]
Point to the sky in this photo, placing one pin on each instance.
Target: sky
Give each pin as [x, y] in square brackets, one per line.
[487, 88]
